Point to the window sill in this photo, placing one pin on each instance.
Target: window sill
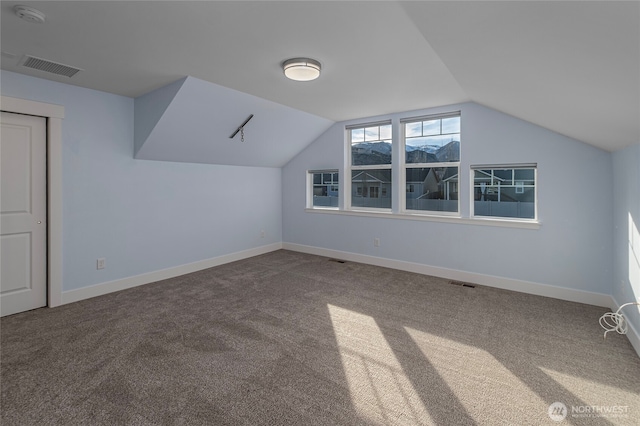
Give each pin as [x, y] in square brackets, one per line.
[484, 221]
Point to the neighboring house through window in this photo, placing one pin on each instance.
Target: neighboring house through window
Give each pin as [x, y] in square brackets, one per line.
[322, 188]
[506, 191]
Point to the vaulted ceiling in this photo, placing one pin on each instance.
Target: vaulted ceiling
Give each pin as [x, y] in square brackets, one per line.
[573, 67]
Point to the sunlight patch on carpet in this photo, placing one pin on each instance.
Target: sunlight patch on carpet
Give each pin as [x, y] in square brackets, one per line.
[595, 394]
[380, 390]
[480, 382]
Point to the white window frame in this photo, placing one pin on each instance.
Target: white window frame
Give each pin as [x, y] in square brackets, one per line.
[310, 185]
[404, 166]
[398, 211]
[349, 168]
[507, 166]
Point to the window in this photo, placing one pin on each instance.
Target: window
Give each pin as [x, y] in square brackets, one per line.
[370, 161]
[323, 188]
[421, 156]
[432, 163]
[504, 191]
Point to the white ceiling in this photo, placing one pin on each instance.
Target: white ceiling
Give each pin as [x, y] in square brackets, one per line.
[573, 67]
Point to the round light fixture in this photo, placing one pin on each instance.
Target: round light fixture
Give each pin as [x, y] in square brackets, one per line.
[301, 69]
[29, 14]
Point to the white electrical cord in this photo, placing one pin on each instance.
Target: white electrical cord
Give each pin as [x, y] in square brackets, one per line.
[614, 321]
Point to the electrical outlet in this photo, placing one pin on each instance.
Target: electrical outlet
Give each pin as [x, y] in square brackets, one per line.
[101, 263]
[262, 234]
[376, 242]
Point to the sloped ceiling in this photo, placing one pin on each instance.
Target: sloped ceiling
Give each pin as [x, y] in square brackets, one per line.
[192, 120]
[573, 67]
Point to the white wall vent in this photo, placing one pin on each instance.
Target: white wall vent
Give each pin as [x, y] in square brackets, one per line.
[50, 66]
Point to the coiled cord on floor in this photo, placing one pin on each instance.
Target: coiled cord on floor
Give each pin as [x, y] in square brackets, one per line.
[614, 321]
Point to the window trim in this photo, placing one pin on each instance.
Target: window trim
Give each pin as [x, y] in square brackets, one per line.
[479, 220]
[505, 166]
[398, 170]
[450, 114]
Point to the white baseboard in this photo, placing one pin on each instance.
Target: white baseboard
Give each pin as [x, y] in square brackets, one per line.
[580, 296]
[572, 295]
[632, 333]
[71, 296]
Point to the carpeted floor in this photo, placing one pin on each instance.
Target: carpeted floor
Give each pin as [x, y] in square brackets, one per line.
[293, 339]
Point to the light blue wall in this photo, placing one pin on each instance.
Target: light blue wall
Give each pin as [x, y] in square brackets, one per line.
[143, 216]
[572, 248]
[275, 134]
[626, 217]
[149, 108]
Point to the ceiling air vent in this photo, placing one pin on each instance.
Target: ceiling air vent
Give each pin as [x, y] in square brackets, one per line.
[50, 66]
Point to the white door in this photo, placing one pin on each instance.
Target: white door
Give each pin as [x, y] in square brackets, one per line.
[23, 206]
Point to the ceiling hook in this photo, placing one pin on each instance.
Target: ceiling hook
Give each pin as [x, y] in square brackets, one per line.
[241, 129]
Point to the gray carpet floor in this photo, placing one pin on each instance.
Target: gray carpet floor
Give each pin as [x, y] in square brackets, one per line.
[294, 339]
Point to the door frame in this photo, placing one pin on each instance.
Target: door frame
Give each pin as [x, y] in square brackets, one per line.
[54, 115]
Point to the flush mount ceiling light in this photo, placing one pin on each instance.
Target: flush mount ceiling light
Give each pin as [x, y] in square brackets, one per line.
[301, 69]
[29, 14]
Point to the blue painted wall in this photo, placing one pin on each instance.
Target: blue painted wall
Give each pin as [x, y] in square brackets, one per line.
[626, 218]
[211, 113]
[572, 248]
[143, 216]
